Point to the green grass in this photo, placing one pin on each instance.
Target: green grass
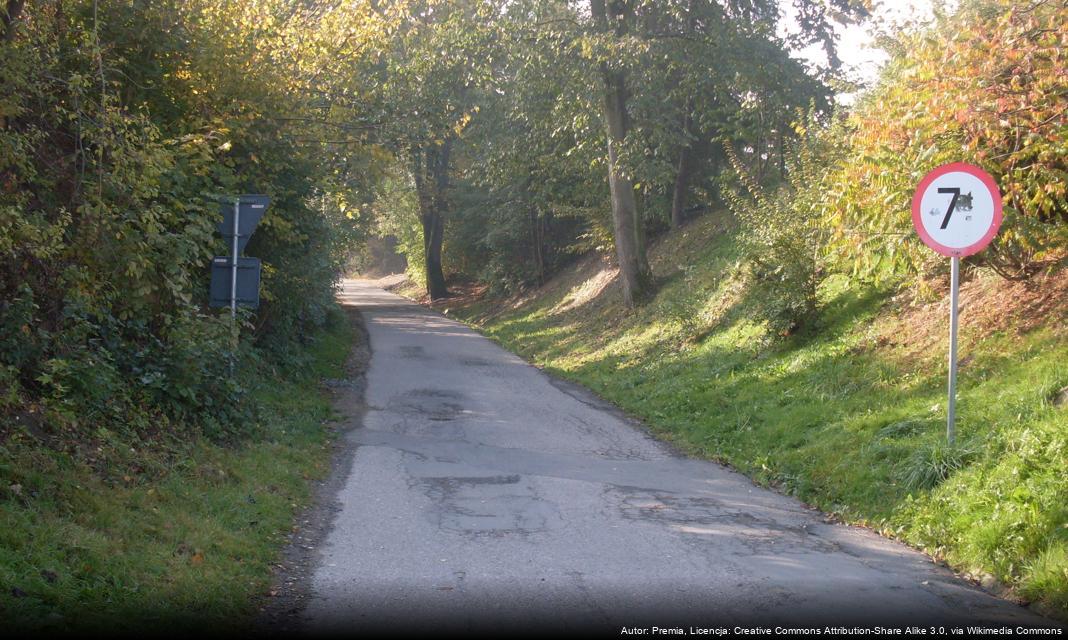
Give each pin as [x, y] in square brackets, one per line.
[177, 537]
[832, 416]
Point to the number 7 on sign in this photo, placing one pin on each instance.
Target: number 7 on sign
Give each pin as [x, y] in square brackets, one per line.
[952, 203]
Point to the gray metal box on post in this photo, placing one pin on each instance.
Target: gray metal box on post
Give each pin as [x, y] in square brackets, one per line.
[248, 282]
[235, 281]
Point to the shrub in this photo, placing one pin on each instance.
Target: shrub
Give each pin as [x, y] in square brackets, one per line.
[780, 232]
[932, 463]
[986, 86]
[118, 125]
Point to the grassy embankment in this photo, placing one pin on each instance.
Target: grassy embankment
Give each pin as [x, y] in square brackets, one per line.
[169, 536]
[848, 416]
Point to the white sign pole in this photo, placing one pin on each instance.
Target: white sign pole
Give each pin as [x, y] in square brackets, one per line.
[233, 289]
[951, 427]
[958, 226]
[233, 264]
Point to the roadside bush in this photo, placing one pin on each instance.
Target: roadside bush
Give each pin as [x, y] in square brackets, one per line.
[932, 463]
[120, 125]
[986, 85]
[780, 233]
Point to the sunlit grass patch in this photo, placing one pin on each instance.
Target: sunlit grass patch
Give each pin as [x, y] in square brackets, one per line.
[848, 415]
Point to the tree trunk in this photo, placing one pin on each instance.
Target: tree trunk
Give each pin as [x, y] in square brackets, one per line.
[682, 186]
[12, 9]
[433, 234]
[537, 241]
[639, 234]
[685, 168]
[430, 170]
[782, 152]
[633, 267]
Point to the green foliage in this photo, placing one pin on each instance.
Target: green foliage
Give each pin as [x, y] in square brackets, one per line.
[396, 211]
[167, 535]
[986, 85]
[904, 428]
[17, 341]
[1049, 576]
[780, 232]
[931, 463]
[119, 125]
[514, 91]
[845, 204]
[840, 419]
[693, 90]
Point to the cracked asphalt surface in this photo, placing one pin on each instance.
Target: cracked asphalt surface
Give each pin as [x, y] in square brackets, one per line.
[483, 494]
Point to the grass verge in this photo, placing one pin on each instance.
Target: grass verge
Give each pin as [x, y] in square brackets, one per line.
[848, 416]
[173, 536]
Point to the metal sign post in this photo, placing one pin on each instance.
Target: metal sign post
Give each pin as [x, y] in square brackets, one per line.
[235, 281]
[954, 292]
[235, 336]
[233, 261]
[961, 227]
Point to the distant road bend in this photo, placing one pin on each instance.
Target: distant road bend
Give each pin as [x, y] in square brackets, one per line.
[484, 494]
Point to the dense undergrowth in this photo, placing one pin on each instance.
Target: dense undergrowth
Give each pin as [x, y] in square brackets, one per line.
[848, 414]
[169, 534]
[121, 127]
[152, 453]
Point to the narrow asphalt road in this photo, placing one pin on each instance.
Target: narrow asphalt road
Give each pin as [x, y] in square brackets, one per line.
[484, 494]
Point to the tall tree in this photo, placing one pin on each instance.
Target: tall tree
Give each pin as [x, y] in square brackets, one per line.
[416, 89]
[615, 17]
[701, 53]
[430, 171]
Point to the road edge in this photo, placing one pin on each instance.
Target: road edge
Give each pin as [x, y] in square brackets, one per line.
[282, 612]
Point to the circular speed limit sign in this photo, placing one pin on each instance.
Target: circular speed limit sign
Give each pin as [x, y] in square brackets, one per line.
[957, 209]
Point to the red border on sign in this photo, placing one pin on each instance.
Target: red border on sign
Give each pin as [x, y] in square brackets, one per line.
[995, 223]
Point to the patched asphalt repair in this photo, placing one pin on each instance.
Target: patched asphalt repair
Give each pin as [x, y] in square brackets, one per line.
[483, 495]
